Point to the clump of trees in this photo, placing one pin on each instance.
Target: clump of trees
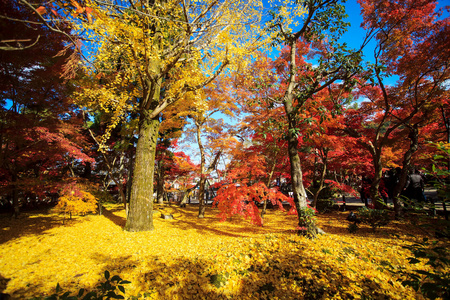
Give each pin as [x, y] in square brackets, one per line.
[137, 74]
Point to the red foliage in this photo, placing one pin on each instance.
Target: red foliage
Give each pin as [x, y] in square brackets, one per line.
[341, 187]
[235, 199]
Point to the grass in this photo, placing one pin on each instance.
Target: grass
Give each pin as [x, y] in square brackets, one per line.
[191, 258]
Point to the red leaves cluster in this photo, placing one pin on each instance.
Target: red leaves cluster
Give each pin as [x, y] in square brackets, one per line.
[234, 199]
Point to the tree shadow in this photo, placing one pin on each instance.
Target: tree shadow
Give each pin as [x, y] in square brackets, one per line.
[3, 284]
[110, 215]
[33, 223]
[336, 223]
[184, 278]
[286, 274]
[235, 226]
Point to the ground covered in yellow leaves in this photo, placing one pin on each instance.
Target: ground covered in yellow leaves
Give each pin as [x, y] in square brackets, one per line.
[190, 258]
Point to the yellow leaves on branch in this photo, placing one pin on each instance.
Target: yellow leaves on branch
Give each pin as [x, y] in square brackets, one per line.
[170, 35]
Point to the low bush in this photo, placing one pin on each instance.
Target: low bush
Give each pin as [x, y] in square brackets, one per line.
[434, 282]
[324, 205]
[374, 217]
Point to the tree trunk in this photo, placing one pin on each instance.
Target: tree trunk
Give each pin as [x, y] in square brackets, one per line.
[274, 163]
[296, 170]
[414, 145]
[187, 195]
[447, 129]
[296, 173]
[160, 184]
[376, 200]
[322, 178]
[201, 196]
[129, 181]
[140, 217]
[15, 197]
[201, 186]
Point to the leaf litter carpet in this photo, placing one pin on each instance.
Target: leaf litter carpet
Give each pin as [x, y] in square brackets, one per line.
[191, 258]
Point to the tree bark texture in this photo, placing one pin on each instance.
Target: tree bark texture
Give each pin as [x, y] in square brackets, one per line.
[296, 170]
[140, 217]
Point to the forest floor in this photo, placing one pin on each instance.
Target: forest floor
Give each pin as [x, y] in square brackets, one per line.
[191, 258]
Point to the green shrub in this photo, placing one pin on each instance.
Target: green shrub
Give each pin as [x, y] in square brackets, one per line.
[352, 227]
[307, 222]
[434, 283]
[324, 205]
[373, 217]
[103, 196]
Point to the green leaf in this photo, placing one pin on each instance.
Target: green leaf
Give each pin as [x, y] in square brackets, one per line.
[58, 288]
[80, 293]
[107, 274]
[121, 288]
[116, 278]
[90, 295]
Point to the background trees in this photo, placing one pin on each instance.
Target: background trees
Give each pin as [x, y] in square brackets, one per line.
[410, 45]
[41, 141]
[143, 63]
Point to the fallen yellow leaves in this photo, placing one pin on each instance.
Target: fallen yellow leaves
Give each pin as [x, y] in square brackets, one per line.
[190, 258]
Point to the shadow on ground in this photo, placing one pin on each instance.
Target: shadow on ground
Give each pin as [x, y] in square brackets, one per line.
[286, 275]
[110, 215]
[187, 219]
[30, 223]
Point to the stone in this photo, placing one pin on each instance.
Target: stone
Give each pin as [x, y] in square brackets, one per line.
[166, 217]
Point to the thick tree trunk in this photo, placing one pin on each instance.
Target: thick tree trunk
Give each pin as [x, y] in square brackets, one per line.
[140, 217]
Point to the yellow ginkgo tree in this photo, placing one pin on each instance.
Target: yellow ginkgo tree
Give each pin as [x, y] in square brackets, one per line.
[145, 56]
